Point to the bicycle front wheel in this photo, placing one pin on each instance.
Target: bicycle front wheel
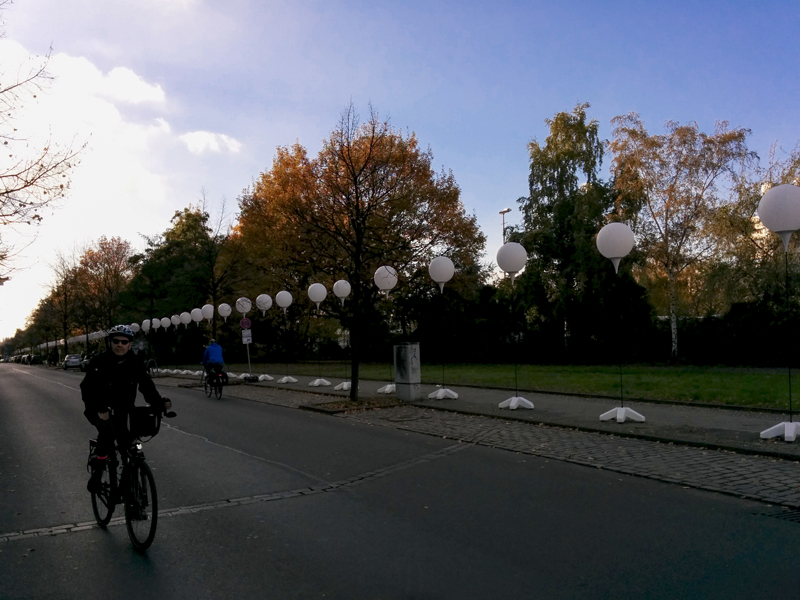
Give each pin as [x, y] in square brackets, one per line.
[207, 387]
[102, 500]
[141, 506]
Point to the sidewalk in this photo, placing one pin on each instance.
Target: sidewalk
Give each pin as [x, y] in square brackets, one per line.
[710, 427]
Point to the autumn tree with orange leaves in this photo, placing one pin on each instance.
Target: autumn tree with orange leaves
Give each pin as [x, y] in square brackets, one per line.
[369, 198]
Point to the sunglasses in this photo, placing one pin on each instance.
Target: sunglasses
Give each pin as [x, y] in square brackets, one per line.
[122, 341]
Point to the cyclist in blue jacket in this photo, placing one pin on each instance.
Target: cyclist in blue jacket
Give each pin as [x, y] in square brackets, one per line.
[212, 357]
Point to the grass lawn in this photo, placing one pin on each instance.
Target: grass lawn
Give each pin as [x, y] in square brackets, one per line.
[763, 388]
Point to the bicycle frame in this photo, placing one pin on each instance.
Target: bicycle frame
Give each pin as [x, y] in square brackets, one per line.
[138, 494]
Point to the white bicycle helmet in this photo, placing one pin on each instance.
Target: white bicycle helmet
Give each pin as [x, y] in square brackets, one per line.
[121, 330]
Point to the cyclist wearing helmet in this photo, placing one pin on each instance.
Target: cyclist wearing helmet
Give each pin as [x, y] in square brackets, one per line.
[111, 381]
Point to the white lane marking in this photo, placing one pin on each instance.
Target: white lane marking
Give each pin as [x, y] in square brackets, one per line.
[12, 536]
[46, 379]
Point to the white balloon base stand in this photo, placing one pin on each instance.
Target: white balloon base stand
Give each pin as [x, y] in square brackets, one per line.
[264, 377]
[345, 385]
[515, 402]
[442, 394]
[789, 430]
[621, 413]
[287, 379]
[387, 389]
[319, 383]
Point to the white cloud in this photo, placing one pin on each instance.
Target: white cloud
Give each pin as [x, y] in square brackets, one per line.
[123, 84]
[200, 142]
[132, 175]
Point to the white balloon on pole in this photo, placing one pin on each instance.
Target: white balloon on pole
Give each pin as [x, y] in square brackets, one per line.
[165, 322]
[243, 305]
[385, 278]
[208, 312]
[441, 270]
[197, 316]
[134, 328]
[263, 303]
[175, 320]
[224, 311]
[511, 258]
[615, 241]
[186, 318]
[146, 325]
[341, 289]
[779, 211]
[155, 323]
[283, 299]
[317, 293]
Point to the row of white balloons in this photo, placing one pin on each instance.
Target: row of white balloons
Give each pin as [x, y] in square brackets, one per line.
[778, 210]
[441, 270]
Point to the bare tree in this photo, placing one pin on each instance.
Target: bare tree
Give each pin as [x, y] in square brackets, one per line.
[34, 173]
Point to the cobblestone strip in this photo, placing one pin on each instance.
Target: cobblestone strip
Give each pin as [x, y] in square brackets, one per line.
[760, 478]
[196, 508]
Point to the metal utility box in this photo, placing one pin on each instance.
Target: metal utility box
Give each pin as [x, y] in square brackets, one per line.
[407, 371]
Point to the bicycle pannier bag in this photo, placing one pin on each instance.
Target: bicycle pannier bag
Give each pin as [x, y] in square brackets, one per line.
[144, 421]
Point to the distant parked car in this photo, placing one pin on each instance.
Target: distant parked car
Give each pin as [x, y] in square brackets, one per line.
[72, 361]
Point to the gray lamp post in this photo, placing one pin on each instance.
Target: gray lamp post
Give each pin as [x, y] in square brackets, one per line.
[779, 211]
[615, 241]
[503, 213]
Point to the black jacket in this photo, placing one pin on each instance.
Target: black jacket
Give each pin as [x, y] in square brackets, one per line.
[111, 383]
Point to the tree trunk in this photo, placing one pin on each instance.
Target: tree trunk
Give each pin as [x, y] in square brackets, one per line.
[673, 315]
[355, 343]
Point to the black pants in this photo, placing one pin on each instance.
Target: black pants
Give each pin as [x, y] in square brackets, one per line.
[212, 368]
[114, 428]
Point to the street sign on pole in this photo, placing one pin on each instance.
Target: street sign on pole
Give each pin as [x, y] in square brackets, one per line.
[247, 336]
[245, 323]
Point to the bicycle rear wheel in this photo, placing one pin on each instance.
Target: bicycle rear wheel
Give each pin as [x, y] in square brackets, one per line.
[141, 505]
[218, 390]
[103, 500]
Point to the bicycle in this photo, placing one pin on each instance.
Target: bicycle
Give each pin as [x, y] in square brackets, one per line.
[215, 384]
[128, 480]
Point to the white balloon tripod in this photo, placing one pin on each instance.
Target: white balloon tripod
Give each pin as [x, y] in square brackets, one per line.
[441, 271]
[284, 299]
[615, 241]
[779, 211]
[386, 278]
[341, 289]
[317, 294]
[511, 258]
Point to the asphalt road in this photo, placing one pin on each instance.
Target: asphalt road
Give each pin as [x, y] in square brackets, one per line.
[369, 512]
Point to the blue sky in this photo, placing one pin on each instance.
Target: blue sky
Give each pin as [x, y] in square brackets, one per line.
[179, 96]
